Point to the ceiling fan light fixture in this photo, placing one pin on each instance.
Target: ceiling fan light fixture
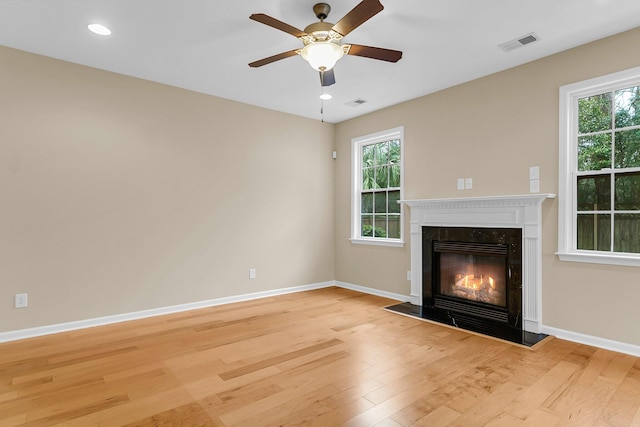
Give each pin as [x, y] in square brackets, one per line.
[322, 56]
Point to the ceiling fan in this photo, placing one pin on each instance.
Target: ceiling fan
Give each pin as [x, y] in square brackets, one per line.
[322, 48]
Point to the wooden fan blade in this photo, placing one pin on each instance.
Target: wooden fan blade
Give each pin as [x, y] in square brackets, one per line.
[273, 58]
[278, 25]
[375, 53]
[357, 16]
[327, 78]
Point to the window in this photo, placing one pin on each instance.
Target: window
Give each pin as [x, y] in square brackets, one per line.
[377, 188]
[599, 211]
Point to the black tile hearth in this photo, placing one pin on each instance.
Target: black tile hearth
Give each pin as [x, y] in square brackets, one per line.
[470, 323]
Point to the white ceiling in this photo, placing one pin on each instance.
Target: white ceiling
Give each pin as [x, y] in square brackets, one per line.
[205, 45]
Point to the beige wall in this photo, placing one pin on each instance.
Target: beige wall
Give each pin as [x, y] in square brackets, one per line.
[493, 129]
[119, 195]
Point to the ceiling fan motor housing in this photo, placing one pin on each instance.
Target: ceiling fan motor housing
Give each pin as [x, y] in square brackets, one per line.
[321, 10]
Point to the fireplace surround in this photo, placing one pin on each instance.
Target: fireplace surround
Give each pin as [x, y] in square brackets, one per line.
[443, 219]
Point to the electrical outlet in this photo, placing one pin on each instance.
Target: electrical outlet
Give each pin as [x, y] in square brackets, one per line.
[21, 301]
[468, 183]
[252, 273]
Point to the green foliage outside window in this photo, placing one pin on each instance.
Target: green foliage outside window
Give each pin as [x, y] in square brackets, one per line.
[608, 178]
[380, 212]
[368, 231]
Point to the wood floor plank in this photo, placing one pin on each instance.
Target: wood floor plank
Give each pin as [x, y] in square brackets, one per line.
[542, 417]
[440, 416]
[534, 397]
[635, 422]
[489, 406]
[226, 375]
[387, 408]
[625, 402]
[328, 357]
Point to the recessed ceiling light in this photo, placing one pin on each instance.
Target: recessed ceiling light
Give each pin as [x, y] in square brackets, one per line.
[325, 96]
[99, 29]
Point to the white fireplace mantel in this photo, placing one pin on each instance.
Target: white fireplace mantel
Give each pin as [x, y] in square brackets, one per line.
[520, 211]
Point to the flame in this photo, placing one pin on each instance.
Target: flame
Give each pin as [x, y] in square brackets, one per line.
[469, 281]
[482, 288]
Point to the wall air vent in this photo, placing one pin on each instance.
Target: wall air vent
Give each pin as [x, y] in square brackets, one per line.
[356, 102]
[519, 42]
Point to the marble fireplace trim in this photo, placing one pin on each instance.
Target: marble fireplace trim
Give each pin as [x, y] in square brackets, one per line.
[520, 211]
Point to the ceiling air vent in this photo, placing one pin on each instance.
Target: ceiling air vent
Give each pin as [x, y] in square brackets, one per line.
[356, 102]
[519, 42]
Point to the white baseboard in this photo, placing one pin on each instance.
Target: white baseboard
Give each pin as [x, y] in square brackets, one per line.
[372, 291]
[604, 343]
[620, 347]
[107, 320]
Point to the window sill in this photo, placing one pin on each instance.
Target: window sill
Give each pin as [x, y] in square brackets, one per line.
[600, 258]
[378, 242]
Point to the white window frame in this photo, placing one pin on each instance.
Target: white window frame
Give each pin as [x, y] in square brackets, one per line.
[568, 166]
[356, 184]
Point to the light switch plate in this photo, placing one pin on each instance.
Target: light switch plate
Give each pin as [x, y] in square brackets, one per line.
[534, 186]
[534, 172]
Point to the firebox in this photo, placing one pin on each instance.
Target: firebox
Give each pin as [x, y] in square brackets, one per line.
[473, 275]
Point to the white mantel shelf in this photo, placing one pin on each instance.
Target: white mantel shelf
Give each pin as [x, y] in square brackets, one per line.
[520, 211]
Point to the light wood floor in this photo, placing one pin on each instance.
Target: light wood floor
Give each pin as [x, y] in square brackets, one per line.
[329, 357]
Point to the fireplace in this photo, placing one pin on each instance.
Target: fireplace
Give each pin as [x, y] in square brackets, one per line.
[473, 272]
[460, 271]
